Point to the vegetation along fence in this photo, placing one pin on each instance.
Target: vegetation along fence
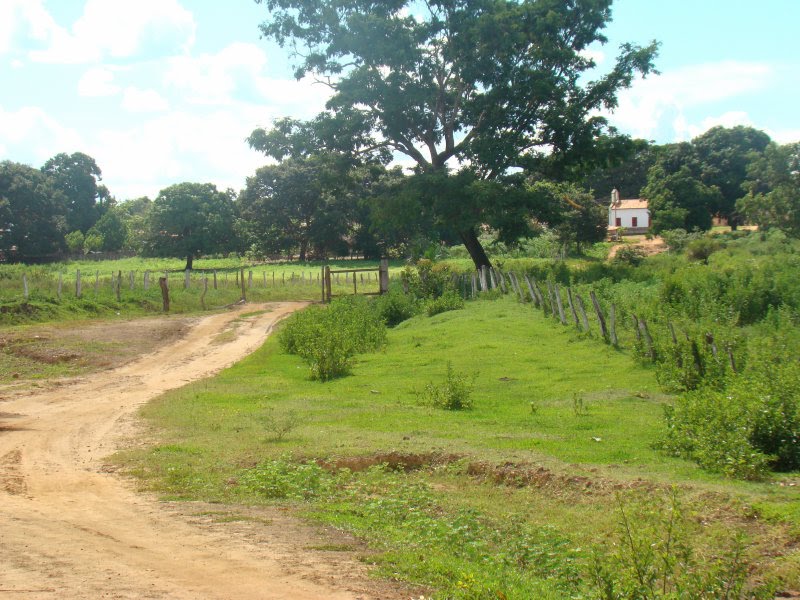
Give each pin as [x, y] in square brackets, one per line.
[382, 278]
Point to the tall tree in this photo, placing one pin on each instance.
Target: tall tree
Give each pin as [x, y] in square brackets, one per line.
[77, 176]
[484, 81]
[300, 205]
[32, 224]
[772, 200]
[678, 199]
[723, 155]
[190, 219]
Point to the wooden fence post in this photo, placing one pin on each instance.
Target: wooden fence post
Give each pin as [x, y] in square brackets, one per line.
[534, 297]
[250, 280]
[215, 279]
[600, 317]
[582, 312]
[162, 282]
[186, 279]
[241, 281]
[131, 279]
[559, 304]
[383, 275]
[648, 339]
[328, 286]
[612, 325]
[492, 280]
[551, 293]
[25, 286]
[203, 295]
[146, 280]
[572, 307]
[119, 285]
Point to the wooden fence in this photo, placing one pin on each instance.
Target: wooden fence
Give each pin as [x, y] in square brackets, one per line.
[382, 279]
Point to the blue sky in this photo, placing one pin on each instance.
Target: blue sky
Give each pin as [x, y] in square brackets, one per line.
[164, 91]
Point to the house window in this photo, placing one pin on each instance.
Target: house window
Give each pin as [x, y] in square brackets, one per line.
[619, 221]
[634, 221]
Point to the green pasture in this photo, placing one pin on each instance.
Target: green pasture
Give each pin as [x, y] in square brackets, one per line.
[263, 283]
[510, 499]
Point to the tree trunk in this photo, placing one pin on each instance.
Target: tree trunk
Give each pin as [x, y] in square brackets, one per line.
[189, 262]
[476, 251]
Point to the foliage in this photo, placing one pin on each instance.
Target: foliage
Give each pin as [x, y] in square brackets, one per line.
[74, 241]
[773, 190]
[630, 255]
[32, 214]
[677, 239]
[652, 557]
[743, 430]
[301, 205]
[572, 213]
[279, 424]
[190, 219]
[450, 300]
[76, 176]
[285, 479]
[702, 248]
[488, 82]
[329, 337]
[679, 199]
[395, 306]
[428, 280]
[454, 393]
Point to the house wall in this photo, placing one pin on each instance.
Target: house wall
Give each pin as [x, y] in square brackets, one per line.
[627, 214]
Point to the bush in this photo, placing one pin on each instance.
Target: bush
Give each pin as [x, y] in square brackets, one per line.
[428, 280]
[395, 306]
[329, 337]
[448, 301]
[701, 248]
[284, 479]
[653, 557]
[630, 255]
[743, 431]
[454, 394]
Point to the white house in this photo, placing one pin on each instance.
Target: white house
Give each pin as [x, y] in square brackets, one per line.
[632, 215]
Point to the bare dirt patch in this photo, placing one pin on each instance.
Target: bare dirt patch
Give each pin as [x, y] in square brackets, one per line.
[72, 529]
[649, 247]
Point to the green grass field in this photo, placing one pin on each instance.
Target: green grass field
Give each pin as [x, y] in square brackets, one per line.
[511, 499]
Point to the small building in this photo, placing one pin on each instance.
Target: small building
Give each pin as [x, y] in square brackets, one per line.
[633, 216]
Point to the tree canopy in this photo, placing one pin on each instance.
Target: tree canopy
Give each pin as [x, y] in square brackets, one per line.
[77, 176]
[484, 82]
[773, 189]
[32, 221]
[190, 219]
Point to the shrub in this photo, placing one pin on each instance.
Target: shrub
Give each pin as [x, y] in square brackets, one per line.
[428, 280]
[329, 337]
[652, 556]
[630, 255]
[284, 479]
[455, 393]
[701, 248]
[395, 306]
[448, 301]
[742, 431]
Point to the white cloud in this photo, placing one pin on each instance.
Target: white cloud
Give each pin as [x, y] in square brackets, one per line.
[784, 136]
[661, 100]
[31, 135]
[118, 29]
[178, 146]
[24, 17]
[138, 100]
[685, 130]
[97, 82]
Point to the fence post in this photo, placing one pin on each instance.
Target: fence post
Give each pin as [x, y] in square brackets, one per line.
[250, 280]
[383, 275]
[328, 286]
[560, 304]
[203, 295]
[241, 281]
[131, 279]
[119, 285]
[146, 280]
[612, 325]
[600, 317]
[552, 294]
[649, 340]
[25, 286]
[215, 279]
[572, 306]
[162, 282]
[582, 312]
[323, 285]
[186, 279]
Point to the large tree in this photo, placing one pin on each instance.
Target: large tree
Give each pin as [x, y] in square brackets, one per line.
[77, 176]
[32, 224]
[301, 205]
[679, 200]
[772, 200]
[190, 219]
[723, 155]
[485, 81]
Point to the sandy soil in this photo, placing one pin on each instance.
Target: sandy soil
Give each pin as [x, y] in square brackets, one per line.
[652, 246]
[70, 528]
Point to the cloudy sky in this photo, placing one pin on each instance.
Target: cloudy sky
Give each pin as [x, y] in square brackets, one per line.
[165, 91]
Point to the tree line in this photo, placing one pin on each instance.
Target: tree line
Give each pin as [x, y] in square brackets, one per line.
[496, 103]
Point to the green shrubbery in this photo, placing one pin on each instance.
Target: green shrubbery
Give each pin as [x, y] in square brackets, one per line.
[449, 300]
[743, 430]
[329, 337]
[455, 393]
[395, 306]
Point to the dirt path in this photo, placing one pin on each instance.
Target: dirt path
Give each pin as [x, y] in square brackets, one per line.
[70, 530]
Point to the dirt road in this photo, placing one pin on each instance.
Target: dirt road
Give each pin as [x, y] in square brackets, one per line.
[68, 529]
